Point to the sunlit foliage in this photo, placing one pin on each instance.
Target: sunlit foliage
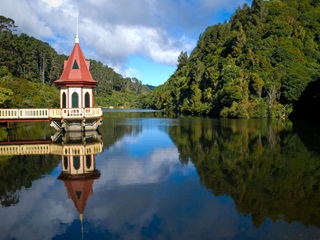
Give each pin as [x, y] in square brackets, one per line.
[254, 66]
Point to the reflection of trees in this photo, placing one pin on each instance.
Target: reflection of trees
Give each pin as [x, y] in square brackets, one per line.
[115, 125]
[262, 165]
[21, 171]
[30, 131]
[112, 131]
[309, 132]
[17, 172]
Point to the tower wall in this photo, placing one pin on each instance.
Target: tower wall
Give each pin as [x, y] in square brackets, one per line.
[81, 91]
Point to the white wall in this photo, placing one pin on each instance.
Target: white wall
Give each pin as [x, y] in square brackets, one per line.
[81, 93]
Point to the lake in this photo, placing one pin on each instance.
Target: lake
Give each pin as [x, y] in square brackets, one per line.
[148, 175]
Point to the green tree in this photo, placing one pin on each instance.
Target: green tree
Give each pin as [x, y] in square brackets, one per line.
[256, 64]
[5, 96]
[182, 59]
[7, 24]
[256, 83]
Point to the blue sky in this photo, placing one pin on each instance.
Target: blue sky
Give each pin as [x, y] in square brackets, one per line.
[138, 38]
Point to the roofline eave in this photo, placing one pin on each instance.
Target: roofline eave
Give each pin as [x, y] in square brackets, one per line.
[75, 84]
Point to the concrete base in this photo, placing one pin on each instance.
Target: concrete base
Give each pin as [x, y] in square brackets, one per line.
[76, 125]
[76, 137]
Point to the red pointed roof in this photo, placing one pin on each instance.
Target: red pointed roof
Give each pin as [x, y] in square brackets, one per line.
[76, 70]
[79, 191]
[79, 187]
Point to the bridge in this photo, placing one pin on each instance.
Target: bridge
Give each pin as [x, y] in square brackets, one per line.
[48, 113]
[60, 118]
[51, 149]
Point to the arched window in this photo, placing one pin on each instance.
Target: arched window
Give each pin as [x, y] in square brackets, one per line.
[75, 100]
[87, 100]
[76, 162]
[64, 100]
[65, 162]
[88, 161]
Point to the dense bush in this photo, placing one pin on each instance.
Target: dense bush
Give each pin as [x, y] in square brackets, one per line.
[255, 65]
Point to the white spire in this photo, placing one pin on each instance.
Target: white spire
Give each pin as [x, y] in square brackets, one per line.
[76, 40]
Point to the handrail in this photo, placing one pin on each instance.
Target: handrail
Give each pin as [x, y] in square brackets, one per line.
[53, 149]
[49, 113]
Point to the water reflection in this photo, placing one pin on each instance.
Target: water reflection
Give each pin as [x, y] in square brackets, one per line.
[77, 151]
[23, 159]
[264, 166]
[169, 178]
[79, 167]
[24, 162]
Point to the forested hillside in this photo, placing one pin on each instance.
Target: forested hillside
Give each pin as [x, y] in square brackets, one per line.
[256, 65]
[29, 66]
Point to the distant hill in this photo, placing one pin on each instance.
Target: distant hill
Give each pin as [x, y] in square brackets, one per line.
[33, 64]
[256, 65]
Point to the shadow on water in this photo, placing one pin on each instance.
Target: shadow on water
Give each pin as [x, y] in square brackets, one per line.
[309, 132]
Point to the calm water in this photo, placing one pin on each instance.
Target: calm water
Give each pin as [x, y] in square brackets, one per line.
[160, 177]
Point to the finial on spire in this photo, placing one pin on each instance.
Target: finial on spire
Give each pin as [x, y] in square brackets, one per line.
[77, 29]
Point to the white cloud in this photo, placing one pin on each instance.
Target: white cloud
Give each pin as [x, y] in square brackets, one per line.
[122, 40]
[22, 221]
[53, 3]
[26, 18]
[130, 72]
[111, 31]
[137, 171]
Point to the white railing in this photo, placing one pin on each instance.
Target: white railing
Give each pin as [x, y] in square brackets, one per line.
[72, 113]
[50, 113]
[55, 112]
[54, 149]
[92, 112]
[9, 150]
[32, 113]
[36, 149]
[9, 113]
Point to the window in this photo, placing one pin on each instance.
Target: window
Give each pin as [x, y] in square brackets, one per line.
[65, 162]
[76, 162]
[88, 161]
[64, 100]
[87, 100]
[75, 65]
[75, 100]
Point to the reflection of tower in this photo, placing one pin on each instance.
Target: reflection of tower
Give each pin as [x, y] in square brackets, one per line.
[78, 166]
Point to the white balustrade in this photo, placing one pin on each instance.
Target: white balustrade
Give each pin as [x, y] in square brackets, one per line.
[72, 113]
[9, 113]
[55, 112]
[93, 112]
[9, 150]
[34, 113]
[54, 149]
[34, 149]
[50, 113]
